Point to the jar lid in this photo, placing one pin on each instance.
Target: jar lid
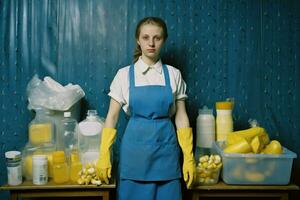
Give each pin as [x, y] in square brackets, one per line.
[224, 105]
[13, 155]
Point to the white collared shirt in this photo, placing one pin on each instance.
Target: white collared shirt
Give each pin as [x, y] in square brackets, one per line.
[146, 75]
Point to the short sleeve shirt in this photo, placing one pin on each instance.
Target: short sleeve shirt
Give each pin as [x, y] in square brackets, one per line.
[146, 75]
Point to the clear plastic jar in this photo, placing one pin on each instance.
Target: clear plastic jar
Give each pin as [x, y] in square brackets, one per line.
[14, 167]
[89, 137]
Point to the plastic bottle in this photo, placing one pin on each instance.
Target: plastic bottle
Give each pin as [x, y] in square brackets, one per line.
[41, 128]
[75, 167]
[14, 167]
[70, 137]
[89, 137]
[60, 167]
[205, 129]
[224, 121]
[39, 169]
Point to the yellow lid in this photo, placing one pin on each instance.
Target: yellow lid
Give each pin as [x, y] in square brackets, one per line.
[224, 105]
[58, 157]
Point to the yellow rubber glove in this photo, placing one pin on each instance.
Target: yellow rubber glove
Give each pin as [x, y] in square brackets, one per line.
[103, 163]
[185, 139]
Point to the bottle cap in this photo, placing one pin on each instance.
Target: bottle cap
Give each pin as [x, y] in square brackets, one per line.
[224, 105]
[205, 111]
[58, 157]
[67, 114]
[92, 112]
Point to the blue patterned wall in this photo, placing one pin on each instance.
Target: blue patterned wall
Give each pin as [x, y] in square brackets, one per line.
[244, 49]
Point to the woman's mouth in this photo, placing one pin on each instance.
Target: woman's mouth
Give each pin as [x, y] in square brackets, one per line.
[151, 50]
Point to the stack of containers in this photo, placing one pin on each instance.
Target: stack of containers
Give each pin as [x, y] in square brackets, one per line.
[37, 154]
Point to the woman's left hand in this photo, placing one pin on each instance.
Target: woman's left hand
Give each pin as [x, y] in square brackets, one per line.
[185, 139]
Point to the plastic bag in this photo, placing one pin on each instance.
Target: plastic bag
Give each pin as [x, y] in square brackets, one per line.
[52, 95]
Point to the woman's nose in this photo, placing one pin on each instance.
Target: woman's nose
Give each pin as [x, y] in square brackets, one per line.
[151, 42]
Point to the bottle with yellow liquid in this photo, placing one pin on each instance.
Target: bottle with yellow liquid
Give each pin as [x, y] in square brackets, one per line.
[41, 128]
[60, 167]
[75, 166]
[224, 121]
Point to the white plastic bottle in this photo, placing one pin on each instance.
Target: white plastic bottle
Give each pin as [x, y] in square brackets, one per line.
[14, 167]
[224, 121]
[70, 136]
[89, 137]
[39, 169]
[205, 129]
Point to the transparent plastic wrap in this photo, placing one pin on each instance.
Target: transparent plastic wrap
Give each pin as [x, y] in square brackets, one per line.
[51, 95]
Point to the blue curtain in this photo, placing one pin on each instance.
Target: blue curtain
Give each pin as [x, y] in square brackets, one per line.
[248, 50]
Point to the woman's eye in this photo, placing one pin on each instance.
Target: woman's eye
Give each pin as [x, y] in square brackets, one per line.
[158, 38]
[145, 37]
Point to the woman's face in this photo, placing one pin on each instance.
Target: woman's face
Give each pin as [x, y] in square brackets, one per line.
[151, 41]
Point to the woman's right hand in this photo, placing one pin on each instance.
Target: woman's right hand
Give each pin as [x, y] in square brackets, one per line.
[103, 164]
[107, 139]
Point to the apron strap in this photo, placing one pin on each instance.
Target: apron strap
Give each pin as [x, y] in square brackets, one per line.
[166, 73]
[131, 77]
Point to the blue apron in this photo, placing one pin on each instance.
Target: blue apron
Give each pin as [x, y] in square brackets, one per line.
[149, 149]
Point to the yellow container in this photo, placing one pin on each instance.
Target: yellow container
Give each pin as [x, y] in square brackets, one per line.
[60, 167]
[224, 121]
[76, 166]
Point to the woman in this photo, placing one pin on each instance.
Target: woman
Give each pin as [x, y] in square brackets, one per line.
[150, 92]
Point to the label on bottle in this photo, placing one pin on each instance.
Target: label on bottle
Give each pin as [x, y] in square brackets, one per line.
[40, 171]
[224, 124]
[14, 175]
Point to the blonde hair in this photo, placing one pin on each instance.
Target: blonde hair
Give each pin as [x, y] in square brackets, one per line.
[147, 20]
